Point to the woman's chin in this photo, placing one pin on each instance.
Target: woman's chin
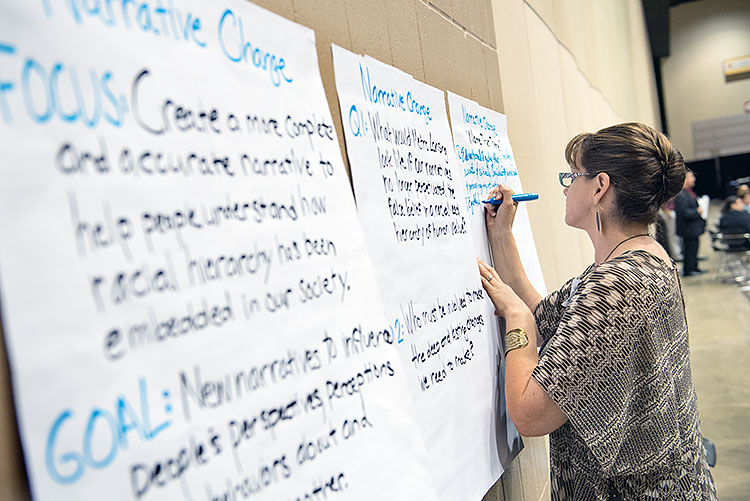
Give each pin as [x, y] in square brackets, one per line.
[570, 222]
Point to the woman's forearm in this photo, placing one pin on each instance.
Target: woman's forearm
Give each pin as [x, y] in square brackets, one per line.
[508, 264]
[519, 364]
[533, 412]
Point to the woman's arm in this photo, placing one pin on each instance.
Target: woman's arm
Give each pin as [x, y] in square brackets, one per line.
[507, 261]
[505, 257]
[530, 407]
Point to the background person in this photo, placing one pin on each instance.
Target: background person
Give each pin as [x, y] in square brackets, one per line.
[735, 221]
[664, 233]
[743, 192]
[612, 384]
[689, 225]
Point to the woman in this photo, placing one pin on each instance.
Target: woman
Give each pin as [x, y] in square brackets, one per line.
[612, 383]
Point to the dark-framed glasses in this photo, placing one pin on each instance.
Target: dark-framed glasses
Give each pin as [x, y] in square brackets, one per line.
[567, 178]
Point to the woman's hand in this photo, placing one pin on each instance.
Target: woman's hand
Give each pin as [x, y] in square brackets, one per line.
[500, 217]
[501, 295]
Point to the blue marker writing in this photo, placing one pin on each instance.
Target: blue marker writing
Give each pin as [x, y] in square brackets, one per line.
[521, 197]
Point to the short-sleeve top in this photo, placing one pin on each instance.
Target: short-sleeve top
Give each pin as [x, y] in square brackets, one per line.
[615, 358]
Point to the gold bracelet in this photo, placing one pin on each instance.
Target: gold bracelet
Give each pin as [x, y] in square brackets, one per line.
[515, 339]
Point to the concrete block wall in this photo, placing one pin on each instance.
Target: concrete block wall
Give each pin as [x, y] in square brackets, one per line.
[13, 482]
[449, 44]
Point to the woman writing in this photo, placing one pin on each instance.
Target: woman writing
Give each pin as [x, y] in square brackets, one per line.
[612, 383]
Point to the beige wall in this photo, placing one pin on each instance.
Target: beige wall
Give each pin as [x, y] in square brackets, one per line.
[568, 67]
[565, 66]
[702, 35]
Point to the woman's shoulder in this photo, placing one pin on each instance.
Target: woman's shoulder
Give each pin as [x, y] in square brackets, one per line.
[633, 269]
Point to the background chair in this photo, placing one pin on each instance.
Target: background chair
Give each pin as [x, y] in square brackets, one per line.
[734, 265]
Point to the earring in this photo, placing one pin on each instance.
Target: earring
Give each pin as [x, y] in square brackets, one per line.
[598, 224]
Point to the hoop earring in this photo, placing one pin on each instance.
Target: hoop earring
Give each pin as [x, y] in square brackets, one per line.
[598, 224]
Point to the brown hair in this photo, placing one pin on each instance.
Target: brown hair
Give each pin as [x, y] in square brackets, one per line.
[644, 168]
[743, 190]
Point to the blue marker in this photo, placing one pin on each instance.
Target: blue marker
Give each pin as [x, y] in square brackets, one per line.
[521, 197]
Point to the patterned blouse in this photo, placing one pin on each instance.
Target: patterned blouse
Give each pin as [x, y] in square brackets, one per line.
[616, 359]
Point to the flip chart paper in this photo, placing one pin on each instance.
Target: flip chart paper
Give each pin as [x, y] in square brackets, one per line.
[486, 159]
[410, 199]
[186, 298]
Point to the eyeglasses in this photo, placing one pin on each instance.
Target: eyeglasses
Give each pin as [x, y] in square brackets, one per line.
[567, 178]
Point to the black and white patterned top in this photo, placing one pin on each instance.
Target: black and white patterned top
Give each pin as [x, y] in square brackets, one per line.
[616, 360]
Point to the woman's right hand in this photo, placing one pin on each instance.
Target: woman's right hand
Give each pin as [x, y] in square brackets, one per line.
[499, 218]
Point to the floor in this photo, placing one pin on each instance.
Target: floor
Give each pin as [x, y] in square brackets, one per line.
[719, 325]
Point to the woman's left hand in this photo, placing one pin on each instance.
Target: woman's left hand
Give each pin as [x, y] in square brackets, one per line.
[501, 295]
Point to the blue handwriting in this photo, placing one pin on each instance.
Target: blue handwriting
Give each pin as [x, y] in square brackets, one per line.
[241, 51]
[392, 98]
[62, 91]
[466, 154]
[490, 170]
[140, 15]
[116, 425]
[480, 121]
[6, 86]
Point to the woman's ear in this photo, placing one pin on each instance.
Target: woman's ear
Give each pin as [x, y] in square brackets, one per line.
[603, 186]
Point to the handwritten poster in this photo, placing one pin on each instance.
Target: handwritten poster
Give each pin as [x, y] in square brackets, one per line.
[410, 198]
[486, 160]
[186, 299]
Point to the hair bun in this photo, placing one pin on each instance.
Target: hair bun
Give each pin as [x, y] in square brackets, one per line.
[664, 163]
[643, 166]
[672, 168]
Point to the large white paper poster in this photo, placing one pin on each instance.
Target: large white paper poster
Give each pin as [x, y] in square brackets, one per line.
[186, 299]
[483, 149]
[410, 199]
